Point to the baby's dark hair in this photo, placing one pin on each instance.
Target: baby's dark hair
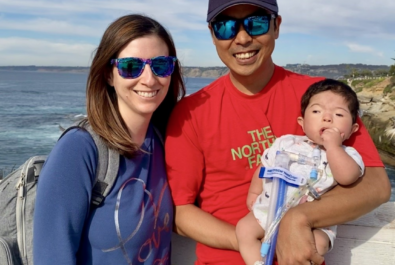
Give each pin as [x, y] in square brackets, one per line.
[336, 87]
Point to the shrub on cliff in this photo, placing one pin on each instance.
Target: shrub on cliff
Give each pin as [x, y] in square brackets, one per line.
[392, 70]
[388, 89]
[378, 131]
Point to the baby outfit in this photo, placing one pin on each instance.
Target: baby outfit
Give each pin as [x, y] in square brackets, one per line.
[303, 146]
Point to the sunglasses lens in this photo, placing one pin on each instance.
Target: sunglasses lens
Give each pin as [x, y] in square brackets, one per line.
[225, 29]
[130, 67]
[162, 66]
[254, 25]
[257, 25]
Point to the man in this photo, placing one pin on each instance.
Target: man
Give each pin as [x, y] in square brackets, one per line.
[216, 136]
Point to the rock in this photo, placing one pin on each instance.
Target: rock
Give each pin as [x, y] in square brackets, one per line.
[379, 118]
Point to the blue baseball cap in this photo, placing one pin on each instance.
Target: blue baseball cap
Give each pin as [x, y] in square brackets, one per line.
[217, 6]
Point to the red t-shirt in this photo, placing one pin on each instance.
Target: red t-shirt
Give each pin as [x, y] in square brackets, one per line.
[215, 139]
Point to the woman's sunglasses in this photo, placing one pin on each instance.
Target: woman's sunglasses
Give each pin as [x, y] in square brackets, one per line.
[227, 28]
[133, 67]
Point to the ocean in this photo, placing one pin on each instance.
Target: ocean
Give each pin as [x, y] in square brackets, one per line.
[34, 104]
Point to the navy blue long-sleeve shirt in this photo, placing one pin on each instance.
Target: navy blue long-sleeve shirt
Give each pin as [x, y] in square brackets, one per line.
[132, 226]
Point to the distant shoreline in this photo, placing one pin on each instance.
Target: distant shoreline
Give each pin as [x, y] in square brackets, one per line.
[47, 69]
[330, 71]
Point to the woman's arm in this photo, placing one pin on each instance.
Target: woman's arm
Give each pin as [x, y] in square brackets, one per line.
[63, 199]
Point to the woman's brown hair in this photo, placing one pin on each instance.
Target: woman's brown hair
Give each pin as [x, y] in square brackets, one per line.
[101, 99]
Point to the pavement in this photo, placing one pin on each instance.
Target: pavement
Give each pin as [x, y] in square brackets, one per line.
[183, 250]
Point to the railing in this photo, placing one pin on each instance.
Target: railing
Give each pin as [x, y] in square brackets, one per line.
[5, 171]
[367, 240]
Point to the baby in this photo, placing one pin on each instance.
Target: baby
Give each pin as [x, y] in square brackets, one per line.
[329, 114]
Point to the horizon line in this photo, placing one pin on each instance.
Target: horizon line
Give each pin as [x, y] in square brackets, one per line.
[69, 66]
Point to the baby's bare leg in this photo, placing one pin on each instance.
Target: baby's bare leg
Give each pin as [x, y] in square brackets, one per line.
[249, 234]
[321, 241]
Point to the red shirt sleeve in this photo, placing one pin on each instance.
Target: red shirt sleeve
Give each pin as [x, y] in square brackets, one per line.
[184, 159]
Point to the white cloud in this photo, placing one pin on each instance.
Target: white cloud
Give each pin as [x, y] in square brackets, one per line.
[336, 18]
[354, 47]
[339, 18]
[25, 51]
[45, 25]
[65, 27]
[184, 56]
[359, 48]
[177, 14]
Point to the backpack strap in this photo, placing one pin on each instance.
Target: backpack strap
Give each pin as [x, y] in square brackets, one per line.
[107, 169]
[107, 165]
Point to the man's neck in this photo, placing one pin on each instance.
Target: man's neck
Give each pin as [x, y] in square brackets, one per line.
[252, 84]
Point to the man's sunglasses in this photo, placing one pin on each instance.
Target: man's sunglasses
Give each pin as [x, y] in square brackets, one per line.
[227, 28]
[133, 67]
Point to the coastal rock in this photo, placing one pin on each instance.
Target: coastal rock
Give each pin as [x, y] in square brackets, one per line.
[383, 135]
[210, 74]
[204, 72]
[379, 117]
[195, 72]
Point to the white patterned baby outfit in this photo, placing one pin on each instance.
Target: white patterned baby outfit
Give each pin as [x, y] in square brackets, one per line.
[303, 146]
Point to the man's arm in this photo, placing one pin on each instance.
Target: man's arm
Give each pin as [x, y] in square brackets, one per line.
[201, 226]
[185, 157]
[295, 244]
[346, 203]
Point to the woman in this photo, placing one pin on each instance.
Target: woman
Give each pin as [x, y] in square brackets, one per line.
[134, 82]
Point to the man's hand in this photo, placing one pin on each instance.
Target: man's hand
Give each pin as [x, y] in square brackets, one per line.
[295, 241]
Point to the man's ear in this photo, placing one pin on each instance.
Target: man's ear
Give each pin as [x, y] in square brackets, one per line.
[277, 28]
[211, 33]
[300, 121]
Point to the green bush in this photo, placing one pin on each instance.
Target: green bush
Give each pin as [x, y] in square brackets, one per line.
[392, 70]
[356, 82]
[373, 82]
[358, 89]
[376, 131]
[365, 82]
[388, 89]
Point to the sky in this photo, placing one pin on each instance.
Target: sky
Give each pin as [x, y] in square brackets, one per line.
[315, 32]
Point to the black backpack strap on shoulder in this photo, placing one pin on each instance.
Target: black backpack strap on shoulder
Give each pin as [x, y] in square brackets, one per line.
[107, 168]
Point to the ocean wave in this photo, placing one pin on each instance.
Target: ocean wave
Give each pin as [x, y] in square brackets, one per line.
[79, 117]
[31, 92]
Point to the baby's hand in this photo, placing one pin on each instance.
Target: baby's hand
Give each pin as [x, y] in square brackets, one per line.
[332, 137]
[251, 198]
